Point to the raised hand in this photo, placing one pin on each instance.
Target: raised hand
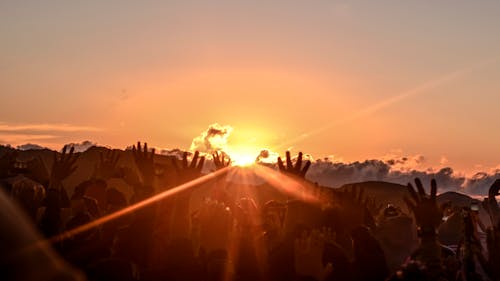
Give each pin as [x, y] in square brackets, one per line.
[308, 256]
[106, 168]
[219, 160]
[144, 161]
[490, 204]
[64, 165]
[187, 172]
[494, 189]
[428, 214]
[290, 168]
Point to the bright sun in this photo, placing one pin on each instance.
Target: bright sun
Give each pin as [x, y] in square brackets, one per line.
[243, 156]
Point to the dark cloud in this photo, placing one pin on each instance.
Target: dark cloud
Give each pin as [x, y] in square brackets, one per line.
[336, 174]
[174, 152]
[30, 146]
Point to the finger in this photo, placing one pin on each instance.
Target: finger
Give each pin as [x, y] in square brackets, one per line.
[195, 160]
[306, 168]
[145, 150]
[200, 164]
[64, 149]
[412, 192]
[139, 149]
[216, 160]
[134, 153]
[289, 164]
[72, 150]
[433, 189]
[298, 164]
[153, 153]
[420, 187]
[184, 160]
[280, 164]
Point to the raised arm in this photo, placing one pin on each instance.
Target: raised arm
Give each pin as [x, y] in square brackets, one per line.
[428, 217]
[296, 170]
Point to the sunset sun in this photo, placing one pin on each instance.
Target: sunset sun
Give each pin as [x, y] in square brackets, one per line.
[243, 156]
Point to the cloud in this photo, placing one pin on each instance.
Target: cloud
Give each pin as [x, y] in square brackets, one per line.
[30, 128]
[267, 156]
[213, 139]
[444, 160]
[23, 138]
[30, 146]
[335, 174]
[81, 146]
[174, 152]
[50, 134]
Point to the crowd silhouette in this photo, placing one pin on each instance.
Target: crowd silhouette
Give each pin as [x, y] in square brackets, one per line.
[309, 232]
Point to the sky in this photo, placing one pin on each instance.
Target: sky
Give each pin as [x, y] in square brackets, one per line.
[350, 80]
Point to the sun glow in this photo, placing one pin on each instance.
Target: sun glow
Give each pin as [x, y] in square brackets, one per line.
[243, 156]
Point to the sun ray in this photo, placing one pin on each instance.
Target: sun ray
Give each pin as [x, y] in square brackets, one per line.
[417, 90]
[70, 233]
[295, 188]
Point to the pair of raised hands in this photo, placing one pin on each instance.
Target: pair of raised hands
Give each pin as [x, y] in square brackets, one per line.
[185, 171]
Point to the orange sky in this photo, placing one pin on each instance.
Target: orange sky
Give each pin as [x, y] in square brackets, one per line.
[363, 80]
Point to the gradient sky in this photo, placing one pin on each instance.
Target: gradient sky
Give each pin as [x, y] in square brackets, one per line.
[362, 79]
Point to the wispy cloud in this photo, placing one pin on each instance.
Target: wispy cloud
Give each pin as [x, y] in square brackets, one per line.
[47, 134]
[46, 127]
[24, 138]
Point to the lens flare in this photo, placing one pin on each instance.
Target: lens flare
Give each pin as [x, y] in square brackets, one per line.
[243, 156]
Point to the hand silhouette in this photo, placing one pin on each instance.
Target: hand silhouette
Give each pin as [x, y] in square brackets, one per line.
[144, 161]
[188, 172]
[64, 165]
[428, 214]
[106, 168]
[494, 189]
[219, 160]
[296, 170]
